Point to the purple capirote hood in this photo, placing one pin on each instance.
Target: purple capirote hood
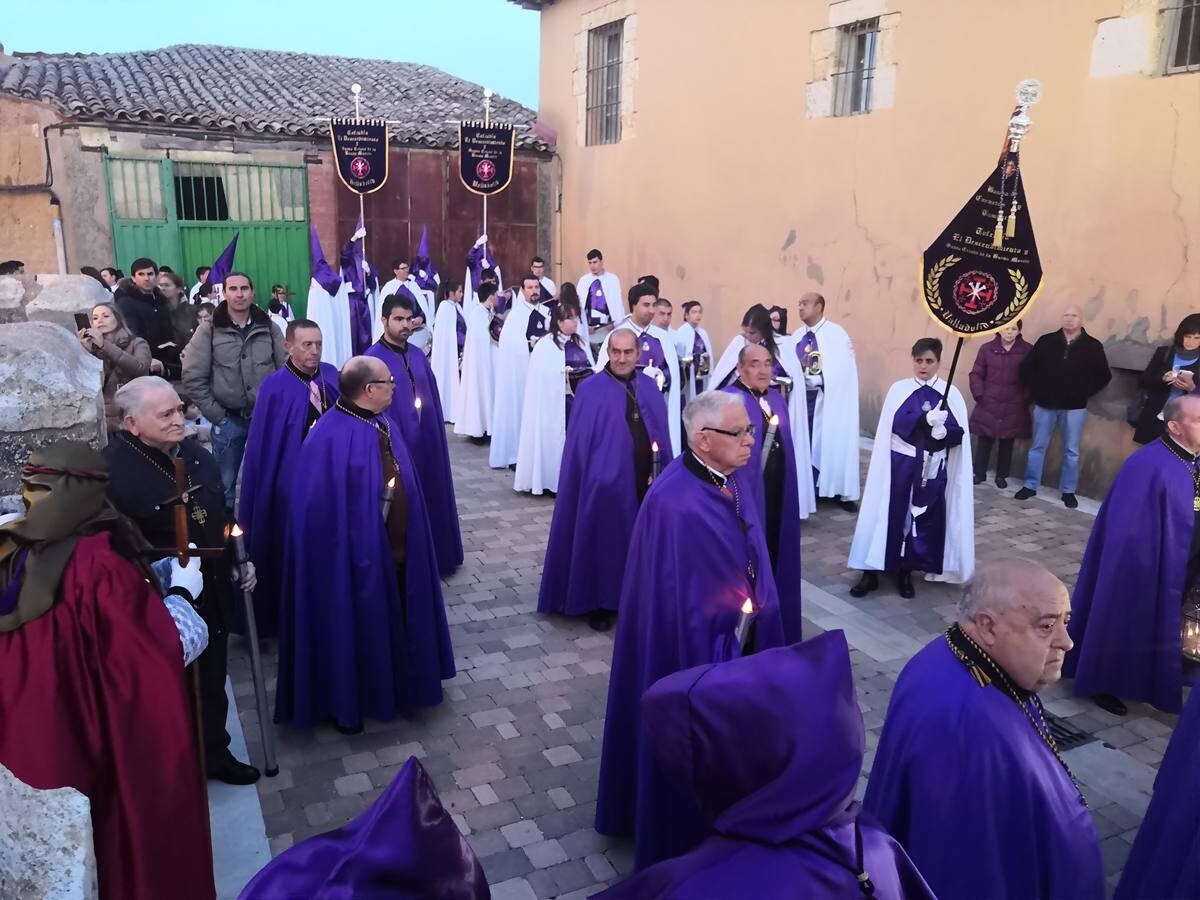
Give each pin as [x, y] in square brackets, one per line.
[770, 744]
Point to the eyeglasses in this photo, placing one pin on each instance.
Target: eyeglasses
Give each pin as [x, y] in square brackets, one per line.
[391, 381]
[748, 431]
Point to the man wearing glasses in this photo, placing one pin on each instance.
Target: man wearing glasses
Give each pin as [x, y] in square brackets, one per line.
[697, 559]
[363, 629]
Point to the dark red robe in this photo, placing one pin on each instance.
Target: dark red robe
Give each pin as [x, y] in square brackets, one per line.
[93, 697]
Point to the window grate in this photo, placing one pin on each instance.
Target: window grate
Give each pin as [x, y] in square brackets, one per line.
[603, 109]
[855, 75]
[1183, 36]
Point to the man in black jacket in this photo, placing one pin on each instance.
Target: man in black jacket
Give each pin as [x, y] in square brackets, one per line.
[147, 315]
[1063, 371]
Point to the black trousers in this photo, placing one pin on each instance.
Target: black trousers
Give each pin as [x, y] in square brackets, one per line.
[983, 453]
[214, 703]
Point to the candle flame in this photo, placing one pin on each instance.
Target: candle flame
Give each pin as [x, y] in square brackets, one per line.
[237, 530]
[654, 446]
[747, 607]
[391, 483]
[417, 403]
[774, 421]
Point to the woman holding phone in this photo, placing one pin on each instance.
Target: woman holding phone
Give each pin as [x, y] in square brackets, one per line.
[125, 356]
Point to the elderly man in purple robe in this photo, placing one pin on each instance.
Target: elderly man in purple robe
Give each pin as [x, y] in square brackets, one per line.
[967, 776]
[698, 589]
[773, 481]
[289, 403]
[363, 631]
[618, 419]
[785, 821]
[600, 294]
[417, 409]
[1140, 571]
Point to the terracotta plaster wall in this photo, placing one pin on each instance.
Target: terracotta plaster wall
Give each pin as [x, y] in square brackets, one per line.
[26, 212]
[728, 189]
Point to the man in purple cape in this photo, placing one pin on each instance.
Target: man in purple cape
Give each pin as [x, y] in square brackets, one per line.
[607, 466]
[363, 630]
[967, 776]
[696, 556]
[775, 485]
[290, 400]
[1164, 863]
[417, 409]
[1139, 567]
[785, 821]
[404, 846]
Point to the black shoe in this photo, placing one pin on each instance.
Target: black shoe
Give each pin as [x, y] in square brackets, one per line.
[601, 619]
[1109, 703]
[1024, 494]
[980, 479]
[1069, 501]
[867, 583]
[348, 729]
[847, 505]
[904, 585]
[1001, 482]
[232, 771]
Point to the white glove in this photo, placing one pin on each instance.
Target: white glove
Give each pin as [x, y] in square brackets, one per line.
[187, 577]
[937, 417]
[249, 579]
[938, 432]
[359, 234]
[812, 382]
[481, 240]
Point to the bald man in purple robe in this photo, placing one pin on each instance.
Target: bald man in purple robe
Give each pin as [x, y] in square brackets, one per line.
[967, 776]
[697, 558]
[785, 821]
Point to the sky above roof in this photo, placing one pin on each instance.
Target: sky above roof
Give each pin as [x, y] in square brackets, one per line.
[491, 42]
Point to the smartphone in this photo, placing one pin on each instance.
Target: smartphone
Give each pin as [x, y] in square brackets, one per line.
[82, 321]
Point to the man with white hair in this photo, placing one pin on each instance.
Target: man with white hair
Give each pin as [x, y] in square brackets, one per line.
[698, 564]
[141, 461]
[967, 776]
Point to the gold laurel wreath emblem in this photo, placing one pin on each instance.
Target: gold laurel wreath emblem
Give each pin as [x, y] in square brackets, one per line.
[1021, 289]
[932, 295]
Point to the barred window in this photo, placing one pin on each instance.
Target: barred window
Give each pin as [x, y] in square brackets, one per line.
[1183, 36]
[604, 83]
[855, 74]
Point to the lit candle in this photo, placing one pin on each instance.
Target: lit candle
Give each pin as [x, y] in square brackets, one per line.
[388, 490]
[417, 407]
[239, 546]
[742, 633]
[653, 460]
[769, 440]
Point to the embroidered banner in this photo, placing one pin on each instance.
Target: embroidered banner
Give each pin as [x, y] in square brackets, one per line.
[360, 150]
[485, 156]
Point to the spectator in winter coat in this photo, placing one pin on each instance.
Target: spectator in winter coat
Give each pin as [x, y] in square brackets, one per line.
[1174, 369]
[1063, 371]
[1001, 411]
[125, 356]
[147, 314]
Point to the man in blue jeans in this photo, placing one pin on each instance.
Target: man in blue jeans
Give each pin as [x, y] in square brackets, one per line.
[226, 361]
[1064, 370]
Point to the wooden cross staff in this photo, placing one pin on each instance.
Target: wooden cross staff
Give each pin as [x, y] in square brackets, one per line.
[181, 550]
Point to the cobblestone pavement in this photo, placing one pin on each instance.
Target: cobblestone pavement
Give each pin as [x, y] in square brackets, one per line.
[515, 748]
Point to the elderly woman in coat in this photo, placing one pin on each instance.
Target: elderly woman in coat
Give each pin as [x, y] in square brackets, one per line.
[125, 356]
[1001, 411]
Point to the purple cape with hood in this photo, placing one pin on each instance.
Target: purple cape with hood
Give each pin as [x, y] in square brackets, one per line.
[786, 556]
[352, 643]
[963, 781]
[1165, 860]
[277, 430]
[686, 578]
[782, 804]
[404, 846]
[597, 500]
[1125, 612]
[425, 436]
[363, 280]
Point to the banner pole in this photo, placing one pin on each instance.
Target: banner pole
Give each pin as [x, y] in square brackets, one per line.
[356, 89]
[953, 365]
[487, 120]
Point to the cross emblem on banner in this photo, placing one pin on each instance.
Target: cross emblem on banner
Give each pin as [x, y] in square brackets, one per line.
[360, 167]
[485, 170]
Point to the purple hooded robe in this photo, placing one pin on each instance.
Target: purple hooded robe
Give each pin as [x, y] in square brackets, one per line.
[695, 555]
[782, 805]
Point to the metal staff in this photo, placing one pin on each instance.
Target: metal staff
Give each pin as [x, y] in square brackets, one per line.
[270, 768]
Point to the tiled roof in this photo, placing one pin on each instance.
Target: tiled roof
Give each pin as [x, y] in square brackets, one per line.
[233, 90]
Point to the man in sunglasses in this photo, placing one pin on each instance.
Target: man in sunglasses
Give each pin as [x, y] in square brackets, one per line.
[363, 629]
[697, 561]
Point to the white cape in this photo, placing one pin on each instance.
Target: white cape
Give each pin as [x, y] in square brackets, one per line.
[420, 337]
[674, 420]
[332, 314]
[444, 359]
[469, 292]
[797, 413]
[685, 336]
[835, 438]
[610, 284]
[549, 285]
[512, 362]
[868, 550]
[544, 419]
[473, 404]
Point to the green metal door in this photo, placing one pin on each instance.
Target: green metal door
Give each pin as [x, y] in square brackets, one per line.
[187, 212]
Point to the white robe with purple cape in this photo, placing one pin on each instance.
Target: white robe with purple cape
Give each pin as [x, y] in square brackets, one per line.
[473, 405]
[544, 417]
[444, 357]
[512, 362]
